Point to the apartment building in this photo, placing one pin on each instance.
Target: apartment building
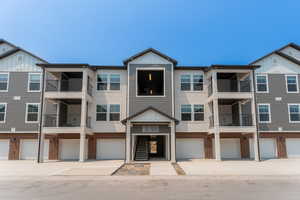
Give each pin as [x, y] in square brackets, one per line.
[150, 108]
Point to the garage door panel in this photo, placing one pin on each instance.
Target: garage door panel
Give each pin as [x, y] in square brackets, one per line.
[267, 148]
[293, 147]
[4, 149]
[69, 149]
[110, 149]
[230, 148]
[190, 148]
[29, 149]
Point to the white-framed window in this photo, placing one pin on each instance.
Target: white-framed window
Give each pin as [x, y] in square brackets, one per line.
[34, 82]
[198, 112]
[108, 112]
[294, 113]
[107, 81]
[32, 112]
[264, 113]
[291, 83]
[101, 112]
[4, 80]
[191, 82]
[114, 112]
[186, 112]
[262, 83]
[3, 109]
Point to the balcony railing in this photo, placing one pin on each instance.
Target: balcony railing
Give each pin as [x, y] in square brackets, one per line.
[73, 85]
[226, 85]
[51, 120]
[235, 120]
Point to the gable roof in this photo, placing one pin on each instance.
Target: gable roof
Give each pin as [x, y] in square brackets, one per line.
[147, 51]
[16, 49]
[277, 51]
[290, 58]
[146, 109]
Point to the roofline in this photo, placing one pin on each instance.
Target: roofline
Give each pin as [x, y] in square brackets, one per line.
[190, 67]
[290, 58]
[126, 61]
[233, 67]
[295, 46]
[114, 67]
[61, 65]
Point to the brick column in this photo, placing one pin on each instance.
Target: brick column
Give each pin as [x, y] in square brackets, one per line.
[92, 146]
[53, 148]
[281, 147]
[208, 147]
[14, 148]
[245, 148]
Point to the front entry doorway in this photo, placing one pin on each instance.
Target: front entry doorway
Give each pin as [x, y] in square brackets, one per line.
[153, 147]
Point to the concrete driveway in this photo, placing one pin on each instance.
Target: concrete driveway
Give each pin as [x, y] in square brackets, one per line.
[242, 167]
[58, 168]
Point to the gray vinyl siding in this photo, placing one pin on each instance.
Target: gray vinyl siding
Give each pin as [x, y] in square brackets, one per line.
[137, 104]
[279, 109]
[16, 109]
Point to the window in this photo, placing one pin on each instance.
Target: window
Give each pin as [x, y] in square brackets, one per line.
[34, 82]
[292, 83]
[32, 112]
[186, 112]
[185, 82]
[264, 113]
[150, 82]
[197, 82]
[115, 82]
[261, 83]
[198, 112]
[102, 82]
[101, 113]
[294, 112]
[114, 112]
[2, 112]
[4, 82]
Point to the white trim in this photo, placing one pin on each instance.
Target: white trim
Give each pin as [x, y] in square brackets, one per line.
[149, 69]
[297, 83]
[8, 75]
[108, 113]
[193, 113]
[267, 83]
[293, 104]
[276, 131]
[26, 113]
[28, 82]
[107, 82]
[269, 108]
[3, 122]
[26, 132]
[192, 74]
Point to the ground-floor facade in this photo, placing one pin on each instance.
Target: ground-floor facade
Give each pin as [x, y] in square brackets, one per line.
[112, 146]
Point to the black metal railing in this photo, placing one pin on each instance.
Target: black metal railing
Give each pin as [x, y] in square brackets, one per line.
[51, 120]
[73, 85]
[235, 120]
[227, 85]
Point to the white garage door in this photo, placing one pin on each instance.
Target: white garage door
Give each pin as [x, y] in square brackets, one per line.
[230, 148]
[267, 147]
[192, 148]
[4, 149]
[69, 149]
[293, 147]
[29, 149]
[110, 149]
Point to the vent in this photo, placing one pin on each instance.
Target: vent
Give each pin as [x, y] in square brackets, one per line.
[13, 130]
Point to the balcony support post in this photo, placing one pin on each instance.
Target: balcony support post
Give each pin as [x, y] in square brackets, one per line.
[173, 141]
[128, 142]
[217, 129]
[82, 150]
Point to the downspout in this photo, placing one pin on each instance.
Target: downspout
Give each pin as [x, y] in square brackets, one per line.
[41, 115]
[257, 129]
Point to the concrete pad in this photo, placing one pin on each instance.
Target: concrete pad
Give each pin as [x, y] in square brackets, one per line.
[162, 168]
[242, 167]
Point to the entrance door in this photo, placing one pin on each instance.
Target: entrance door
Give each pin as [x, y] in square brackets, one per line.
[157, 146]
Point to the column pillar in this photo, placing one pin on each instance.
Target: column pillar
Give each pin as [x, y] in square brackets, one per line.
[173, 142]
[217, 130]
[82, 150]
[128, 142]
[42, 142]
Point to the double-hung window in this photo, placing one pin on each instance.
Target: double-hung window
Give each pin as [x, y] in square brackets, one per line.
[262, 83]
[2, 112]
[264, 113]
[32, 112]
[34, 82]
[114, 82]
[292, 83]
[102, 81]
[106, 112]
[185, 82]
[191, 82]
[186, 112]
[197, 82]
[4, 82]
[198, 112]
[294, 112]
[114, 112]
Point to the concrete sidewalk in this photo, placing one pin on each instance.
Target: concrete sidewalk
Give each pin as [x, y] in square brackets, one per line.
[162, 168]
[240, 167]
[59, 168]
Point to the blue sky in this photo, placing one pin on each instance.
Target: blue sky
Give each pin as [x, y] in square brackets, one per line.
[194, 32]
